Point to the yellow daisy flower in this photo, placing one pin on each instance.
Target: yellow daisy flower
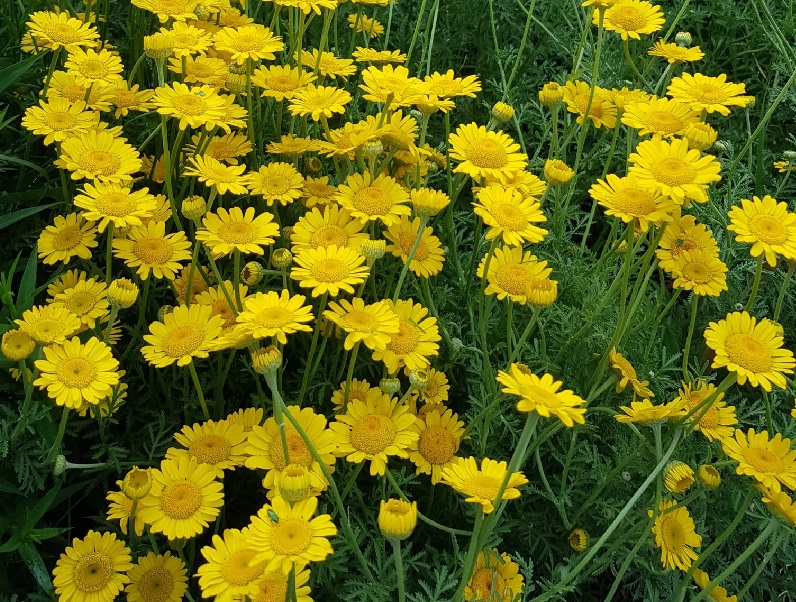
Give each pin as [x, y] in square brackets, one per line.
[439, 434]
[64, 85]
[510, 216]
[676, 54]
[227, 148]
[447, 85]
[92, 568]
[274, 586]
[74, 373]
[289, 537]
[780, 504]
[119, 508]
[702, 272]
[274, 314]
[358, 389]
[329, 64]
[69, 236]
[216, 298]
[485, 154]
[128, 98]
[54, 30]
[429, 255]
[683, 234]
[88, 300]
[627, 375]
[379, 83]
[719, 420]
[156, 577]
[89, 66]
[57, 119]
[710, 94]
[333, 226]
[276, 183]
[768, 225]
[374, 430]
[221, 445]
[214, 174]
[225, 232]
[542, 395]
[625, 199]
[229, 574]
[370, 199]
[417, 339]
[188, 40]
[674, 170]
[17, 345]
[602, 112]
[645, 412]
[718, 593]
[48, 325]
[184, 499]
[291, 146]
[660, 116]
[372, 324]
[210, 71]
[378, 57]
[329, 270]
[253, 42]
[511, 272]
[770, 461]
[362, 23]
[784, 166]
[183, 334]
[751, 349]
[495, 578]
[320, 102]
[630, 18]
[99, 156]
[318, 191]
[178, 10]
[281, 82]
[675, 535]
[152, 251]
[193, 106]
[481, 485]
[113, 203]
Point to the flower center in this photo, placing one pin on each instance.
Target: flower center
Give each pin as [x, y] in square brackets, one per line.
[663, 122]
[222, 308]
[276, 185]
[180, 500]
[209, 449]
[407, 241]
[81, 303]
[541, 396]
[330, 270]
[46, 330]
[153, 251]
[319, 102]
[437, 445]
[328, 235]
[297, 450]
[291, 536]
[274, 317]
[763, 460]
[237, 233]
[63, 33]
[60, 120]
[488, 154]
[509, 217]
[707, 94]
[513, 279]
[272, 590]
[75, 92]
[116, 204]
[672, 534]
[372, 201]
[93, 69]
[404, 341]
[189, 104]
[633, 201]
[482, 486]
[373, 433]
[581, 101]
[673, 172]
[246, 43]
[698, 272]
[183, 340]
[361, 321]
[93, 572]
[283, 83]
[67, 238]
[168, 7]
[628, 18]
[99, 162]
[768, 229]
[748, 352]
[184, 40]
[76, 372]
[711, 419]
[156, 585]
[481, 584]
[236, 569]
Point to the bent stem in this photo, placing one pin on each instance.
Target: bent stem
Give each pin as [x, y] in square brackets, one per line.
[783, 289]
[59, 436]
[755, 283]
[350, 374]
[308, 366]
[525, 334]
[199, 393]
[421, 229]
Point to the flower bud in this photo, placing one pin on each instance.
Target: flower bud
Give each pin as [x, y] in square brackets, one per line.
[557, 172]
[678, 477]
[236, 83]
[551, 94]
[700, 136]
[294, 483]
[397, 518]
[252, 273]
[579, 540]
[372, 148]
[163, 311]
[418, 379]
[194, 208]
[122, 293]
[542, 292]
[683, 38]
[159, 46]
[137, 483]
[281, 258]
[60, 465]
[17, 345]
[313, 165]
[389, 386]
[373, 249]
[266, 360]
[789, 156]
[709, 476]
[237, 69]
[502, 112]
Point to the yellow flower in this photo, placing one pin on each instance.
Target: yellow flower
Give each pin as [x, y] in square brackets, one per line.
[188, 40]
[194, 106]
[119, 508]
[276, 182]
[214, 174]
[66, 238]
[602, 111]
[629, 18]
[17, 345]
[381, 83]
[88, 300]
[700, 271]
[485, 154]
[89, 66]
[184, 498]
[206, 70]
[54, 30]
[370, 55]
[227, 148]
[718, 593]
[63, 85]
[182, 335]
[329, 64]
[156, 577]
[719, 419]
[74, 373]
[115, 204]
[292, 146]
[47, 325]
[229, 574]
[481, 485]
[770, 461]
[179, 10]
[220, 445]
[307, 6]
[627, 375]
[372, 324]
[676, 54]
[281, 82]
[98, 155]
[126, 98]
[683, 234]
[357, 389]
[710, 94]
[551, 94]
[274, 585]
[152, 251]
[319, 102]
[417, 339]
[290, 537]
[428, 202]
[660, 116]
[780, 504]
[579, 540]
[362, 23]
[429, 255]
[768, 225]
[253, 42]
[225, 232]
[370, 199]
[675, 535]
[510, 216]
[397, 518]
[439, 434]
[137, 483]
[374, 430]
[274, 314]
[495, 578]
[644, 412]
[678, 477]
[556, 172]
[751, 349]
[709, 476]
[57, 119]
[625, 199]
[447, 85]
[92, 568]
[333, 226]
[329, 270]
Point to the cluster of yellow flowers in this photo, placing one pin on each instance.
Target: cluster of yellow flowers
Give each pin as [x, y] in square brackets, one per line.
[275, 216]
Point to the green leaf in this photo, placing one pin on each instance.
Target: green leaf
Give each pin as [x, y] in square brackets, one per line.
[11, 74]
[36, 565]
[13, 544]
[18, 161]
[36, 512]
[38, 535]
[13, 218]
[27, 287]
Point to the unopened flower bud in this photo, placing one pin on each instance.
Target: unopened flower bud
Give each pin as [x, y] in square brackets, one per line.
[683, 38]
[557, 172]
[372, 148]
[789, 156]
[678, 477]
[236, 83]
[397, 518]
[373, 249]
[709, 476]
[237, 69]
[579, 540]
[60, 465]
[389, 386]
[159, 46]
[266, 360]
[122, 293]
[194, 208]
[502, 112]
[314, 165]
[294, 483]
[551, 94]
[418, 379]
[281, 258]
[137, 483]
[163, 311]
[252, 273]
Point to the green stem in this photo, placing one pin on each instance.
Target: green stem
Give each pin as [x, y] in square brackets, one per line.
[783, 289]
[778, 539]
[350, 374]
[308, 366]
[755, 283]
[632, 65]
[111, 319]
[767, 405]
[523, 41]
[236, 279]
[414, 35]
[399, 569]
[469, 560]
[279, 413]
[421, 229]
[687, 349]
[525, 334]
[59, 436]
[199, 393]
[509, 326]
[108, 254]
[53, 62]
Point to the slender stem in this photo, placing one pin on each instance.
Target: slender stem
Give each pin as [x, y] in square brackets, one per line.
[778, 539]
[108, 254]
[399, 569]
[687, 349]
[414, 35]
[767, 405]
[53, 62]
[236, 279]
[421, 229]
[469, 560]
[111, 319]
[308, 366]
[199, 393]
[509, 326]
[279, 413]
[59, 436]
[755, 283]
[632, 65]
[783, 289]
[350, 374]
[525, 334]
